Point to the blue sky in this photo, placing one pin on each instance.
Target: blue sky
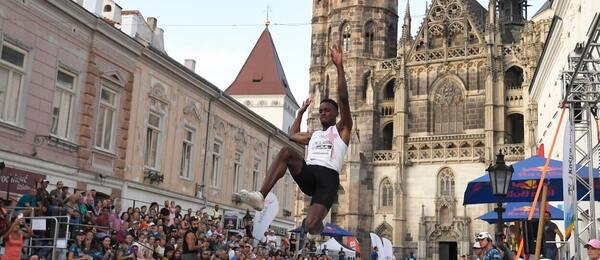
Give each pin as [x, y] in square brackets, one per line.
[219, 35]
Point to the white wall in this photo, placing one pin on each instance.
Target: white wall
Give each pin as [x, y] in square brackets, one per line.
[264, 106]
[547, 89]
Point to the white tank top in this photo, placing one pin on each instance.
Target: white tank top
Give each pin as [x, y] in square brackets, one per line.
[327, 149]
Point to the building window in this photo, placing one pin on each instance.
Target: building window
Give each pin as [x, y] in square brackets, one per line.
[448, 109]
[153, 132]
[286, 190]
[63, 104]
[107, 114]
[237, 171]
[12, 74]
[256, 174]
[446, 182]
[387, 194]
[346, 33]
[187, 149]
[216, 163]
[369, 38]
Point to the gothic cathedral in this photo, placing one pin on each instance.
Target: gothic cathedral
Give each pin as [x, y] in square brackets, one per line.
[430, 112]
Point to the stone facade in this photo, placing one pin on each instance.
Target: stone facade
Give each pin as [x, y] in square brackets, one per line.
[430, 112]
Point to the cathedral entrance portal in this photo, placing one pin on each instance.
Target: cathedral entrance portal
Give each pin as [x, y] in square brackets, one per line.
[448, 251]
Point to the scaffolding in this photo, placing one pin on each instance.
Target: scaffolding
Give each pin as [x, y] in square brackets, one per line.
[581, 82]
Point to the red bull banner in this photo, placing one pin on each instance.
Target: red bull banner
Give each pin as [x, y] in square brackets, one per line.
[353, 244]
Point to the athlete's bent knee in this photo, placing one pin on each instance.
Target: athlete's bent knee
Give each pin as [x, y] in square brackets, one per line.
[286, 153]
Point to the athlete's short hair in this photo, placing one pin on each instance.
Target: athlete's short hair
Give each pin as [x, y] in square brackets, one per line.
[330, 101]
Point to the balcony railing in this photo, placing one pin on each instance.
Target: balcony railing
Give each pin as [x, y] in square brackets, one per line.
[384, 157]
[512, 152]
[387, 109]
[447, 148]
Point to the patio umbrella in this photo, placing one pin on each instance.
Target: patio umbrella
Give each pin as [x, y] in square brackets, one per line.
[524, 183]
[517, 211]
[331, 230]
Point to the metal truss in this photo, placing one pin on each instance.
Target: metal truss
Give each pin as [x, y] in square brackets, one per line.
[581, 83]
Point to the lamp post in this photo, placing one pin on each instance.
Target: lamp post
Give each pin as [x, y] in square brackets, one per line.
[500, 177]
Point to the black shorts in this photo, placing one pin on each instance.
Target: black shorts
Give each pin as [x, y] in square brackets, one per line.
[321, 183]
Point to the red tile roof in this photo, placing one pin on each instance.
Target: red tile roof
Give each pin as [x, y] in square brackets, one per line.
[262, 74]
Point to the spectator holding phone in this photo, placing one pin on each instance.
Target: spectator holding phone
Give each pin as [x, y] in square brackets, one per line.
[13, 240]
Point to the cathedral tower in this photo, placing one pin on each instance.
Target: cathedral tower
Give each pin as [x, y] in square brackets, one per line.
[367, 32]
[430, 112]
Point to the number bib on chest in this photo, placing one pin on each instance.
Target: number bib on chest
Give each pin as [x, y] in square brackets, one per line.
[322, 151]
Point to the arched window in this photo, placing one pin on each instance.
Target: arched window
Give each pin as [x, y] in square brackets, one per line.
[515, 131]
[107, 8]
[346, 33]
[369, 38]
[388, 136]
[387, 194]
[448, 103]
[513, 78]
[325, 93]
[389, 90]
[446, 182]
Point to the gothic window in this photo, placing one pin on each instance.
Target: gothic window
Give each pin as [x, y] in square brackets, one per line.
[448, 108]
[325, 93]
[391, 41]
[346, 33]
[389, 90]
[514, 129]
[330, 41]
[446, 182]
[387, 136]
[513, 78]
[386, 193]
[369, 38]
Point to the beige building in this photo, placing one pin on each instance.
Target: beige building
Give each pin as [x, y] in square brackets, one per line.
[193, 143]
[430, 113]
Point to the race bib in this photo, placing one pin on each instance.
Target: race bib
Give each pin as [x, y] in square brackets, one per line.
[322, 151]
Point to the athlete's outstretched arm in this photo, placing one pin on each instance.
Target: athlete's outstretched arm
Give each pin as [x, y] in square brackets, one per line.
[345, 123]
[295, 134]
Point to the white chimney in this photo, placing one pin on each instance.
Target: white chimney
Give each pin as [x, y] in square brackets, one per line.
[93, 6]
[190, 64]
[112, 11]
[158, 41]
[152, 22]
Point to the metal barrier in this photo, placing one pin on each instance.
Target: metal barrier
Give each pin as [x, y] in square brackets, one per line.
[40, 224]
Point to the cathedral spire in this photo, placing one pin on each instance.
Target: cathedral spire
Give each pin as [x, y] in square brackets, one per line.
[407, 21]
[407, 12]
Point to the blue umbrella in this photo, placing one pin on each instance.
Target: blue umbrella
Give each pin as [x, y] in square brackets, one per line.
[517, 211]
[524, 183]
[331, 230]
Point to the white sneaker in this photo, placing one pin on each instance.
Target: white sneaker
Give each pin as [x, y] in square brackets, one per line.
[253, 198]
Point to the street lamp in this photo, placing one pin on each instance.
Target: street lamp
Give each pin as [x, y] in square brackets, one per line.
[500, 177]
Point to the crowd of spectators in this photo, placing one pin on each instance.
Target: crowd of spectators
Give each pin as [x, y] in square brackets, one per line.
[100, 229]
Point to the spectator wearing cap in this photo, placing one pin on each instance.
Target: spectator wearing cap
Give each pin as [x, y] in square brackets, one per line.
[477, 250]
[489, 251]
[42, 192]
[593, 249]
[550, 232]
